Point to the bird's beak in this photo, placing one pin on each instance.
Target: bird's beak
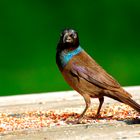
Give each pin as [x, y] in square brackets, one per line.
[67, 39]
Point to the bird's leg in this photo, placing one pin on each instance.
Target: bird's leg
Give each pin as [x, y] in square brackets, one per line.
[87, 101]
[101, 101]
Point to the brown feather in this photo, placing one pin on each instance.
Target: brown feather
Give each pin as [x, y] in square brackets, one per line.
[85, 76]
[82, 71]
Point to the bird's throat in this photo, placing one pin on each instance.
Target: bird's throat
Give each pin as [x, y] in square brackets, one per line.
[66, 56]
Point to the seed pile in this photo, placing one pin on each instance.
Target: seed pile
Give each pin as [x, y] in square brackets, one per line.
[52, 118]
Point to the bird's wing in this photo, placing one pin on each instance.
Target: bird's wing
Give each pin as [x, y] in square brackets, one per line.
[96, 76]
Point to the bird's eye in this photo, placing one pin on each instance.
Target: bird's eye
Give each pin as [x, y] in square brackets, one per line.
[71, 35]
[74, 36]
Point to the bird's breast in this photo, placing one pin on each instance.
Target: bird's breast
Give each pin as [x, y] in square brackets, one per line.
[66, 56]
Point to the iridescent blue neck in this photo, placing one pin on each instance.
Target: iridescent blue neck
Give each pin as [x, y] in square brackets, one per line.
[65, 57]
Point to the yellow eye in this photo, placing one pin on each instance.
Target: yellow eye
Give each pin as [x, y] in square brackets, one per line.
[74, 36]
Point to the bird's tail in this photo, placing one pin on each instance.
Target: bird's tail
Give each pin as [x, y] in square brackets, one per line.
[132, 103]
[124, 99]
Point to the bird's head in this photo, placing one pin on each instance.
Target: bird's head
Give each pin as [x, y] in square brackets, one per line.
[68, 40]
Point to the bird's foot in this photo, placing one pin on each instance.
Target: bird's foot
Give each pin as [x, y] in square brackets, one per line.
[97, 116]
[81, 121]
[77, 121]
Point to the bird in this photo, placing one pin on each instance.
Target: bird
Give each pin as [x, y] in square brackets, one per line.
[86, 76]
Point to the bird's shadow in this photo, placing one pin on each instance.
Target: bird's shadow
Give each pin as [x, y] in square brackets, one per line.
[98, 119]
[133, 121]
[125, 120]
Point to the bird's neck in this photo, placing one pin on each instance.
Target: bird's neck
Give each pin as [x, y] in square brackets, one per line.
[66, 55]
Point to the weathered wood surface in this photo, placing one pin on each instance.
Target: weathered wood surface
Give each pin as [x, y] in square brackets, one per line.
[61, 100]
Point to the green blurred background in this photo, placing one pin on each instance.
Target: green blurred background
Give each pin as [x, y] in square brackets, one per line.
[29, 31]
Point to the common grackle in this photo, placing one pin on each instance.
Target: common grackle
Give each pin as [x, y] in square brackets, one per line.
[85, 76]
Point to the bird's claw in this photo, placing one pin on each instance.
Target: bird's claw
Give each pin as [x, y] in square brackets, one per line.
[97, 116]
